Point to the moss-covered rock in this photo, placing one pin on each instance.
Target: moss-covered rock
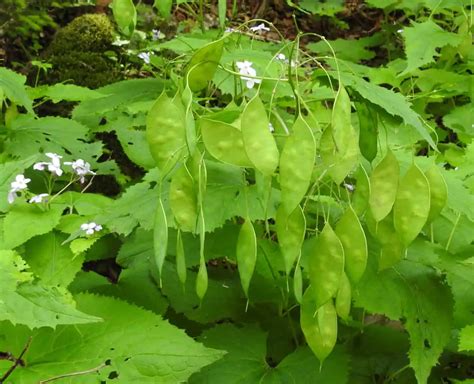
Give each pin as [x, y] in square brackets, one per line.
[77, 52]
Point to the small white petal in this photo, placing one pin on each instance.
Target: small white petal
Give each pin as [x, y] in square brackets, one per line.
[40, 166]
[11, 197]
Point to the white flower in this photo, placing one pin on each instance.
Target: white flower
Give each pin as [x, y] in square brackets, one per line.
[20, 183]
[245, 69]
[81, 168]
[281, 57]
[38, 198]
[54, 166]
[145, 56]
[90, 228]
[271, 128]
[230, 30]
[349, 187]
[156, 34]
[259, 28]
[399, 30]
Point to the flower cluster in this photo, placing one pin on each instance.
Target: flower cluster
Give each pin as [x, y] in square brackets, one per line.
[90, 228]
[246, 69]
[79, 167]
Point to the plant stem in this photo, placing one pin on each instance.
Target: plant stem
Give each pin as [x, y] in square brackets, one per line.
[18, 362]
[78, 373]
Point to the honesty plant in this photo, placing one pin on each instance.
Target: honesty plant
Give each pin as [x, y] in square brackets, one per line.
[311, 223]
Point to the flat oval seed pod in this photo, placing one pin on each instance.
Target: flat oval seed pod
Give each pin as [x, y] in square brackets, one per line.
[203, 65]
[183, 199]
[341, 120]
[368, 130]
[125, 15]
[298, 284]
[353, 239]
[392, 250]
[344, 298]
[201, 280]
[296, 164]
[259, 143]
[224, 142]
[360, 198]
[246, 254]
[166, 131]
[438, 192]
[180, 259]
[326, 264]
[339, 161]
[319, 326]
[187, 99]
[383, 186]
[160, 236]
[412, 205]
[290, 231]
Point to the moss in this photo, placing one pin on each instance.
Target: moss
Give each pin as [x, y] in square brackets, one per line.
[91, 32]
[77, 52]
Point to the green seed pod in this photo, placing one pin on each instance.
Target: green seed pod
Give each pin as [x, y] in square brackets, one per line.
[290, 231]
[383, 186]
[224, 142]
[412, 205]
[352, 236]
[201, 280]
[204, 64]
[246, 254]
[319, 326]
[183, 199]
[180, 259]
[326, 265]
[160, 236]
[438, 192]
[259, 143]
[344, 298]
[166, 132]
[298, 284]
[296, 164]
[360, 198]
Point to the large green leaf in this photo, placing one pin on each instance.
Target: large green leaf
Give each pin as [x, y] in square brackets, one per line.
[246, 361]
[24, 301]
[138, 346]
[53, 262]
[8, 171]
[415, 293]
[422, 40]
[26, 221]
[30, 136]
[13, 86]
[393, 103]
[466, 339]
